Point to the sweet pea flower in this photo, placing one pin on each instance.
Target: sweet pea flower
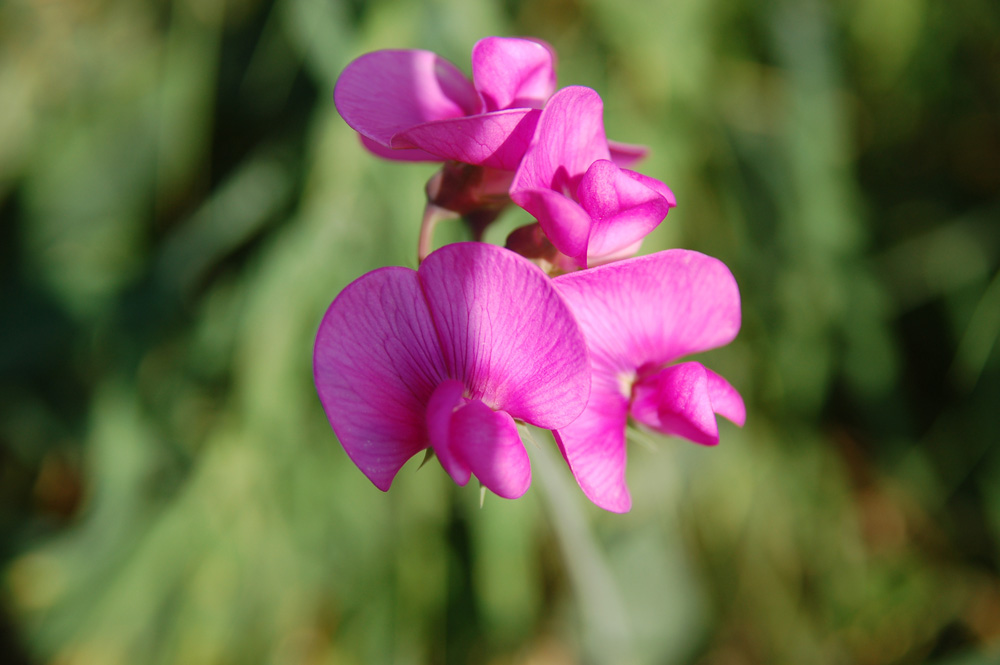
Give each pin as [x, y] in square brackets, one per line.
[447, 357]
[639, 316]
[414, 105]
[589, 208]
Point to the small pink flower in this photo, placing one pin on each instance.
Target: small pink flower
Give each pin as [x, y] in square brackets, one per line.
[589, 208]
[640, 316]
[415, 105]
[447, 357]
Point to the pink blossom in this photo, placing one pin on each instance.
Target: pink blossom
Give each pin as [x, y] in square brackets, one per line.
[590, 208]
[415, 105]
[447, 357]
[639, 316]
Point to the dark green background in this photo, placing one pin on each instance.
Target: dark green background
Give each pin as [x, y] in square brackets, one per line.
[180, 202]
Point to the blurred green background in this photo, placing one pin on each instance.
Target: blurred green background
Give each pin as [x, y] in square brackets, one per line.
[180, 202]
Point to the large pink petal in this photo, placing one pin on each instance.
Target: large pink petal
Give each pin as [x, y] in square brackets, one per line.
[513, 73]
[568, 139]
[676, 401]
[564, 222]
[376, 362]
[594, 445]
[489, 443]
[496, 140]
[441, 407]
[506, 334]
[623, 208]
[653, 309]
[383, 93]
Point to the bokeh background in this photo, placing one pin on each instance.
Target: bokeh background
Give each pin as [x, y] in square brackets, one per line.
[180, 202]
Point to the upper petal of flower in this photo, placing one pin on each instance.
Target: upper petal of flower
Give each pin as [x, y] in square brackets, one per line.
[385, 92]
[506, 333]
[495, 140]
[376, 362]
[513, 73]
[569, 138]
[652, 310]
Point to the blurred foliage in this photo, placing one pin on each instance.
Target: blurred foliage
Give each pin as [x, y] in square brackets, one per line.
[180, 202]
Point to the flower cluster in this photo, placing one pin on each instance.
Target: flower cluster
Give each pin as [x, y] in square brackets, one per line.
[560, 329]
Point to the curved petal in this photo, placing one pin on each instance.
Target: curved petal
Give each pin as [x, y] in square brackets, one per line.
[594, 446]
[626, 154]
[726, 401]
[628, 251]
[490, 445]
[676, 401]
[376, 362]
[568, 139]
[385, 92]
[623, 209]
[654, 184]
[513, 73]
[564, 222]
[441, 407]
[506, 334]
[382, 151]
[653, 309]
[496, 140]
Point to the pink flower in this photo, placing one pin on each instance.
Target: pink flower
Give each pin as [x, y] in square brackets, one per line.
[447, 357]
[589, 208]
[639, 316]
[415, 105]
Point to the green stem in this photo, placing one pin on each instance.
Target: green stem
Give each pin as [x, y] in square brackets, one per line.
[432, 215]
[605, 621]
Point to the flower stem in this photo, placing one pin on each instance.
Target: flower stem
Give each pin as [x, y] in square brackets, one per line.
[432, 215]
[605, 622]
